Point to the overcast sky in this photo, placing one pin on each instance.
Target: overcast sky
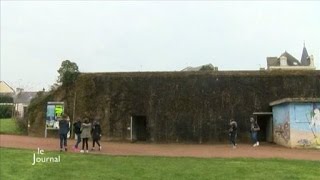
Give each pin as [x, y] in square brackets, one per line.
[110, 36]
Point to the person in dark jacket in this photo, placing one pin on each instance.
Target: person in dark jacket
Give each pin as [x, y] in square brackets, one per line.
[233, 132]
[96, 134]
[77, 132]
[63, 131]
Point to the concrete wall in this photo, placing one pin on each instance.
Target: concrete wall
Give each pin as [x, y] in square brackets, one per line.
[305, 124]
[281, 124]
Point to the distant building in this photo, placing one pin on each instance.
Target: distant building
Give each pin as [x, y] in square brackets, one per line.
[206, 66]
[6, 89]
[22, 100]
[287, 62]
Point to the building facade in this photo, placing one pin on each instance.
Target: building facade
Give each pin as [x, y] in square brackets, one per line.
[287, 62]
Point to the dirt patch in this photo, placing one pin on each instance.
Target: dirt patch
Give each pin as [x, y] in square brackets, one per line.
[265, 150]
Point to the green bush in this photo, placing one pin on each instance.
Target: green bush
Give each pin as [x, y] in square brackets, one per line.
[6, 99]
[5, 111]
[22, 125]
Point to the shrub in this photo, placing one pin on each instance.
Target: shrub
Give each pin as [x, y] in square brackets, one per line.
[5, 111]
[22, 125]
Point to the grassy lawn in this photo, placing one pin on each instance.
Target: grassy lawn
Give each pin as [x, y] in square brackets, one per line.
[17, 164]
[9, 126]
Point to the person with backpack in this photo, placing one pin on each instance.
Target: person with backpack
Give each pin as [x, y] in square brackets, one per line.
[254, 128]
[96, 134]
[233, 132]
[77, 132]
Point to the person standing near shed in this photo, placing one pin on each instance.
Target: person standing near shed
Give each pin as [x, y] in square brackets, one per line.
[254, 128]
[233, 132]
[63, 132]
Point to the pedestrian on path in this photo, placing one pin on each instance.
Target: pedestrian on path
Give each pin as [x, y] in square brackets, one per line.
[233, 132]
[63, 131]
[254, 129]
[85, 134]
[96, 134]
[77, 131]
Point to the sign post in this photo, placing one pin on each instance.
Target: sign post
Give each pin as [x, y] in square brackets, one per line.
[55, 111]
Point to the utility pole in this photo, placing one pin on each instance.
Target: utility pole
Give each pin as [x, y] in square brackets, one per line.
[74, 113]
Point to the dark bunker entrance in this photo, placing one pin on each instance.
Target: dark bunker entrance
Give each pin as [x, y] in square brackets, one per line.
[264, 120]
[139, 128]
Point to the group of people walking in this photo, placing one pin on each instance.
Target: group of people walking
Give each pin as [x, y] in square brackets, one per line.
[86, 130]
[254, 129]
[83, 131]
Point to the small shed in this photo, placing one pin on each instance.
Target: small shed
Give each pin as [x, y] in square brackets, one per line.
[296, 122]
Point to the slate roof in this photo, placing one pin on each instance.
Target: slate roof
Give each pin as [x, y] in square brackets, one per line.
[196, 68]
[24, 97]
[292, 61]
[305, 61]
[273, 61]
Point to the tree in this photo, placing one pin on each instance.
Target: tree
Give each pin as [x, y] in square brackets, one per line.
[68, 72]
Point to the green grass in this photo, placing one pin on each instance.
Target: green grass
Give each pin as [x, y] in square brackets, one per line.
[16, 164]
[9, 126]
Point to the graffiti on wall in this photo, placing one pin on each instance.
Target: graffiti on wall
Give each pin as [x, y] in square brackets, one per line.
[314, 125]
[315, 119]
[283, 131]
[282, 128]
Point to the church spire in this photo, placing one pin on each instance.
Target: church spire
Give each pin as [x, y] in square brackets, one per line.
[304, 57]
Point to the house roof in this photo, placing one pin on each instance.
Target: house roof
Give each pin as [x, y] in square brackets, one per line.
[24, 97]
[273, 61]
[6, 87]
[305, 61]
[196, 68]
[292, 61]
[291, 100]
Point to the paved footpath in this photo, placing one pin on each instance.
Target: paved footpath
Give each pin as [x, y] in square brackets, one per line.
[265, 150]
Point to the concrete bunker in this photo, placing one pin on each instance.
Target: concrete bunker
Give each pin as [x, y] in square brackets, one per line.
[181, 106]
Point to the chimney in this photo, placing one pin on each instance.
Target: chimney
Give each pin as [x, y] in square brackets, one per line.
[311, 61]
[19, 90]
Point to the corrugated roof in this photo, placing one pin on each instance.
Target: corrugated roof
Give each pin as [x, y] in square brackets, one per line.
[288, 100]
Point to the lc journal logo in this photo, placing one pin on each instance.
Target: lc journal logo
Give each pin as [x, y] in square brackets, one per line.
[40, 158]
